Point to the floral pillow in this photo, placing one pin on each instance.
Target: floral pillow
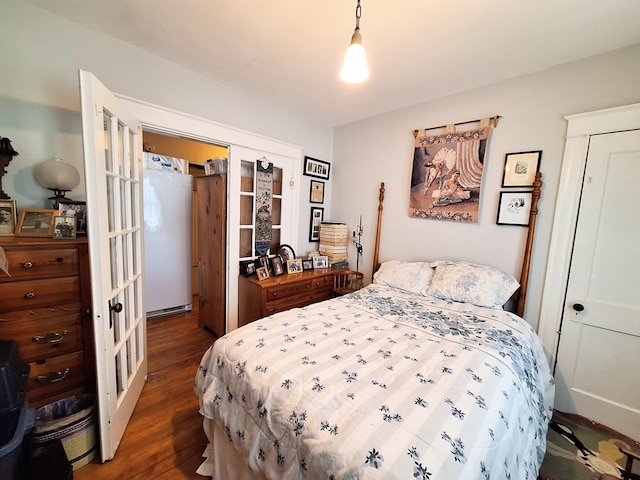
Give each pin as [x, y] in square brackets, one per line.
[413, 277]
[470, 283]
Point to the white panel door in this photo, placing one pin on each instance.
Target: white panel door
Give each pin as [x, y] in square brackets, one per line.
[112, 140]
[597, 374]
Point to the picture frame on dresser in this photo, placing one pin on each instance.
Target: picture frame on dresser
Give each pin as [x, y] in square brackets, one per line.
[64, 228]
[320, 261]
[36, 222]
[307, 264]
[276, 266]
[8, 217]
[262, 273]
[294, 266]
[77, 209]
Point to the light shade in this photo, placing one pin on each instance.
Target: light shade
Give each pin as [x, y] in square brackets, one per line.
[354, 68]
[57, 175]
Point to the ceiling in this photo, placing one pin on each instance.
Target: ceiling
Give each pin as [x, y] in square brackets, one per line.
[289, 52]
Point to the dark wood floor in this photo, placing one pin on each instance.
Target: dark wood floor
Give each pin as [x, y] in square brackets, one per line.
[164, 439]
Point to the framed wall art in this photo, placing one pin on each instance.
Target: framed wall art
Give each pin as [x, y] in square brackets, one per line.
[316, 192]
[8, 217]
[36, 222]
[514, 208]
[317, 214]
[520, 168]
[316, 168]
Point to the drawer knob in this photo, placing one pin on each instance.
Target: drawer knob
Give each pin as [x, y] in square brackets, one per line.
[52, 377]
[27, 265]
[29, 295]
[49, 337]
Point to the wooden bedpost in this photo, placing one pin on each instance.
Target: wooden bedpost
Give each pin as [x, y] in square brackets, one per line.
[376, 249]
[526, 260]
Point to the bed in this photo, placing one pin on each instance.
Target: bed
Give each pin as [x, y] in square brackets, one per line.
[420, 374]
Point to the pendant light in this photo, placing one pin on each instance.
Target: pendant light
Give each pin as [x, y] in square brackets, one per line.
[354, 68]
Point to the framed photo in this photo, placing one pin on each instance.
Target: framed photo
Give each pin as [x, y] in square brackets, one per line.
[316, 193]
[294, 266]
[514, 208]
[8, 217]
[264, 261]
[321, 261]
[317, 215]
[69, 208]
[262, 273]
[64, 227]
[276, 266]
[520, 168]
[247, 267]
[316, 168]
[36, 223]
[307, 264]
[286, 252]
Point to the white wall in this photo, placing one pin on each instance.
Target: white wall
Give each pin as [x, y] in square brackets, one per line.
[39, 100]
[380, 149]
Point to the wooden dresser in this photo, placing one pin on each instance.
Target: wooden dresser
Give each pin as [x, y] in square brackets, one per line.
[44, 306]
[275, 294]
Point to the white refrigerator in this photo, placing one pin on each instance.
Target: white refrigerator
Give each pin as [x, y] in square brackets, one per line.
[167, 241]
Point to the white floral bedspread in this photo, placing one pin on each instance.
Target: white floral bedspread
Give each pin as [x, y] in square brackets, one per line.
[382, 384]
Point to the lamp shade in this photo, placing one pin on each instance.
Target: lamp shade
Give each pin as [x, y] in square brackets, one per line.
[57, 175]
[354, 68]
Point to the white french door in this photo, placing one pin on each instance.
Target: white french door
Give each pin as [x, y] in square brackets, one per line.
[112, 140]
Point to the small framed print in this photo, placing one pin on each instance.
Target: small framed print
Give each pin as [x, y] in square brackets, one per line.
[264, 261]
[247, 268]
[520, 168]
[514, 208]
[276, 266]
[316, 168]
[262, 273]
[36, 223]
[64, 228]
[317, 215]
[8, 217]
[70, 208]
[321, 261]
[294, 266]
[307, 264]
[316, 192]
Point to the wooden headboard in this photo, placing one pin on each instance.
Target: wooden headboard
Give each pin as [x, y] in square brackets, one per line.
[520, 296]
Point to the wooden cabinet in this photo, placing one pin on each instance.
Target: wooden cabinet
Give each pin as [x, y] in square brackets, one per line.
[211, 206]
[257, 299]
[44, 306]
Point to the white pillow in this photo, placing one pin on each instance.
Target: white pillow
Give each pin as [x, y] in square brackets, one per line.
[470, 283]
[413, 277]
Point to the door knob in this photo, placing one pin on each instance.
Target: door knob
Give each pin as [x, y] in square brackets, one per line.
[578, 307]
[117, 307]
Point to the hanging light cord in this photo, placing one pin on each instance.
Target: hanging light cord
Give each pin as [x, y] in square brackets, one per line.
[358, 13]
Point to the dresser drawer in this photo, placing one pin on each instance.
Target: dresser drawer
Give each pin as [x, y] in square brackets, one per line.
[322, 283]
[42, 338]
[280, 292]
[38, 293]
[29, 262]
[53, 376]
[287, 303]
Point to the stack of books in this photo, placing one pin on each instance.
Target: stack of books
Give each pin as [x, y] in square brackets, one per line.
[334, 239]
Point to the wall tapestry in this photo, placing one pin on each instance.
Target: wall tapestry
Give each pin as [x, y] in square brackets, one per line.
[446, 179]
[264, 187]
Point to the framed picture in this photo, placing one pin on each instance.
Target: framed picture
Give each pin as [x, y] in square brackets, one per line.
[316, 193]
[317, 215]
[276, 266]
[8, 217]
[264, 261]
[320, 261]
[286, 253]
[514, 208]
[262, 273]
[520, 168]
[294, 266]
[36, 223]
[64, 227]
[247, 267]
[307, 264]
[316, 168]
[69, 208]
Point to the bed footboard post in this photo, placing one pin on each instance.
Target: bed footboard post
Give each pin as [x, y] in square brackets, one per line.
[376, 248]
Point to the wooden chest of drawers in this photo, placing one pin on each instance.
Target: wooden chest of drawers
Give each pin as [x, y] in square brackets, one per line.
[44, 306]
[259, 299]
